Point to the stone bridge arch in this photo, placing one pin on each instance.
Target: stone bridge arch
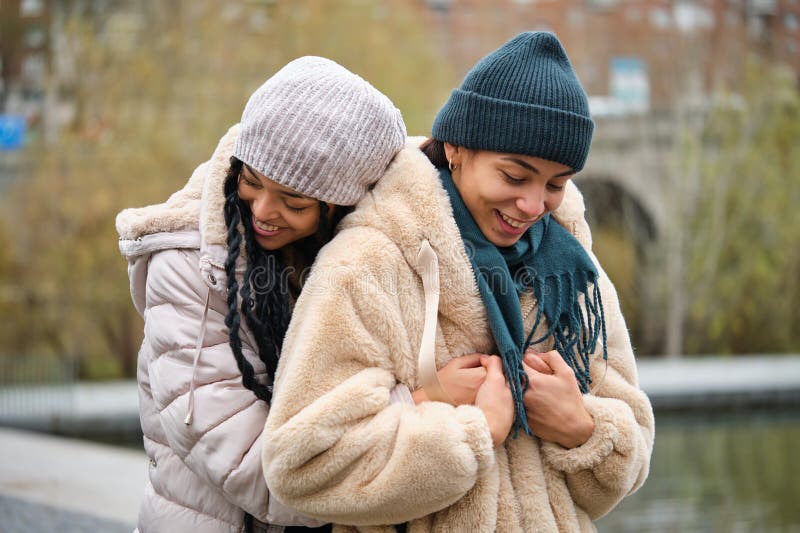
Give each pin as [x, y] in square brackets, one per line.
[631, 155]
[627, 235]
[610, 203]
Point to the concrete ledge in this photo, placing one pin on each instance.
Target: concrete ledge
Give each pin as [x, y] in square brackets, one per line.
[735, 382]
[110, 411]
[103, 411]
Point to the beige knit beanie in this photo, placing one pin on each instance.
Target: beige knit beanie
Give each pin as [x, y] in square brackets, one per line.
[321, 130]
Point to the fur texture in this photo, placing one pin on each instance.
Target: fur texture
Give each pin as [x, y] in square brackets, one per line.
[339, 451]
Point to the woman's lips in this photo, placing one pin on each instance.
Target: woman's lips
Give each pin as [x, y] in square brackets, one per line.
[508, 228]
[267, 230]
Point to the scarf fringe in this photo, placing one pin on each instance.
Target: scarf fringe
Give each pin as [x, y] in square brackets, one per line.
[575, 334]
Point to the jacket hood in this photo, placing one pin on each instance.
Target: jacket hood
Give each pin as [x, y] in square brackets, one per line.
[192, 214]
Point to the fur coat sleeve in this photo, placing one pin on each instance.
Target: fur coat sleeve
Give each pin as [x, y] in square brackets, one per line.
[338, 449]
[615, 461]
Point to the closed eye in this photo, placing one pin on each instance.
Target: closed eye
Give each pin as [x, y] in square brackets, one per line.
[511, 179]
[295, 209]
[249, 181]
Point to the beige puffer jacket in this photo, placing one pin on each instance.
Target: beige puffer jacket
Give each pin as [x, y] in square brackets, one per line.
[338, 448]
[205, 474]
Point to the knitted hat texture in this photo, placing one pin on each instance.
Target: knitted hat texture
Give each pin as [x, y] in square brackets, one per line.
[523, 98]
[321, 130]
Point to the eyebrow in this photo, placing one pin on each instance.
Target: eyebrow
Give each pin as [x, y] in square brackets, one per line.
[528, 166]
[291, 194]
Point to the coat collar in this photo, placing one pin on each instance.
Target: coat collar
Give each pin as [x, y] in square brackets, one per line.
[410, 205]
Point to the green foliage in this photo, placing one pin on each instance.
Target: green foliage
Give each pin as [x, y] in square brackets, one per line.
[616, 251]
[9, 295]
[151, 102]
[743, 256]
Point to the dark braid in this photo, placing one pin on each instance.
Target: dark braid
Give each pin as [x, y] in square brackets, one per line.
[268, 313]
[264, 292]
[233, 216]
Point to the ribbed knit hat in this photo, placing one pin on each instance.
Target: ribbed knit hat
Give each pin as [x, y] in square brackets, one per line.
[321, 130]
[523, 98]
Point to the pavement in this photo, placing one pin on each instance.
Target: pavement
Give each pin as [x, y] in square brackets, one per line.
[50, 483]
[20, 516]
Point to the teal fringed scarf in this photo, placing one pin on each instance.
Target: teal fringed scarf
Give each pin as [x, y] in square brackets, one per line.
[548, 259]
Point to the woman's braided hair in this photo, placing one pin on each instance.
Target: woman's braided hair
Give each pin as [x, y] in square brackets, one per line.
[264, 295]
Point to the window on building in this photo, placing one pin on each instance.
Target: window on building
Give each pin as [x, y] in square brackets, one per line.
[31, 8]
[35, 37]
[660, 18]
[601, 4]
[33, 67]
[575, 17]
[691, 17]
[443, 6]
[791, 22]
[633, 14]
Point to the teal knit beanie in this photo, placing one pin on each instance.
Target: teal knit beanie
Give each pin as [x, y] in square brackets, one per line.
[523, 98]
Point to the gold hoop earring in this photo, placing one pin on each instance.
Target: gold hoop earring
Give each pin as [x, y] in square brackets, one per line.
[451, 166]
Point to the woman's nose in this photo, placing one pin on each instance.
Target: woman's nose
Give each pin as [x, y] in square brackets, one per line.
[265, 206]
[532, 203]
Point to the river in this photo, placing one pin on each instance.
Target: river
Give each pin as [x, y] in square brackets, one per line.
[725, 473]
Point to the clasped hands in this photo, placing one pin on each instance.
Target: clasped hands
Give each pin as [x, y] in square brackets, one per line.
[553, 400]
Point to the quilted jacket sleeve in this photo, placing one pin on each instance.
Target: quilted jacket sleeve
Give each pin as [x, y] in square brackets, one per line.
[223, 443]
[339, 450]
[616, 459]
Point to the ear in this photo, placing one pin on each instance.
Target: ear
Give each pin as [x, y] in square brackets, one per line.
[452, 153]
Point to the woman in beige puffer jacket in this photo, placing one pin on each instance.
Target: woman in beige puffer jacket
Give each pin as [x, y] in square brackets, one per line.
[214, 271]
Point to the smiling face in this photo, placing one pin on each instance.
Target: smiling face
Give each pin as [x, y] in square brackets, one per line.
[280, 215]
[507, 193]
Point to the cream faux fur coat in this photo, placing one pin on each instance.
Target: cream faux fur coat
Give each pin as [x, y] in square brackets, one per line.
[340, 450]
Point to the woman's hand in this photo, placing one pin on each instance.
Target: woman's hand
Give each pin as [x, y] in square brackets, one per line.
[495, 400]
[460, 378]
[553, 401]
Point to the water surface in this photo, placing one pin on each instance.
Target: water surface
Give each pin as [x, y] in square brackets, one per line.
[723, 473]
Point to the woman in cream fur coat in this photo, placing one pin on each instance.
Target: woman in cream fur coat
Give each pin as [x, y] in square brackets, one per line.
[214, 271]
[476, 244]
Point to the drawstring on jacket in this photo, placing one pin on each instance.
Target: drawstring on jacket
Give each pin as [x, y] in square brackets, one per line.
[198, 349]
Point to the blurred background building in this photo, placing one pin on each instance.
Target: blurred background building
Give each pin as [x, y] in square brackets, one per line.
[631, 55]
[689, 96]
